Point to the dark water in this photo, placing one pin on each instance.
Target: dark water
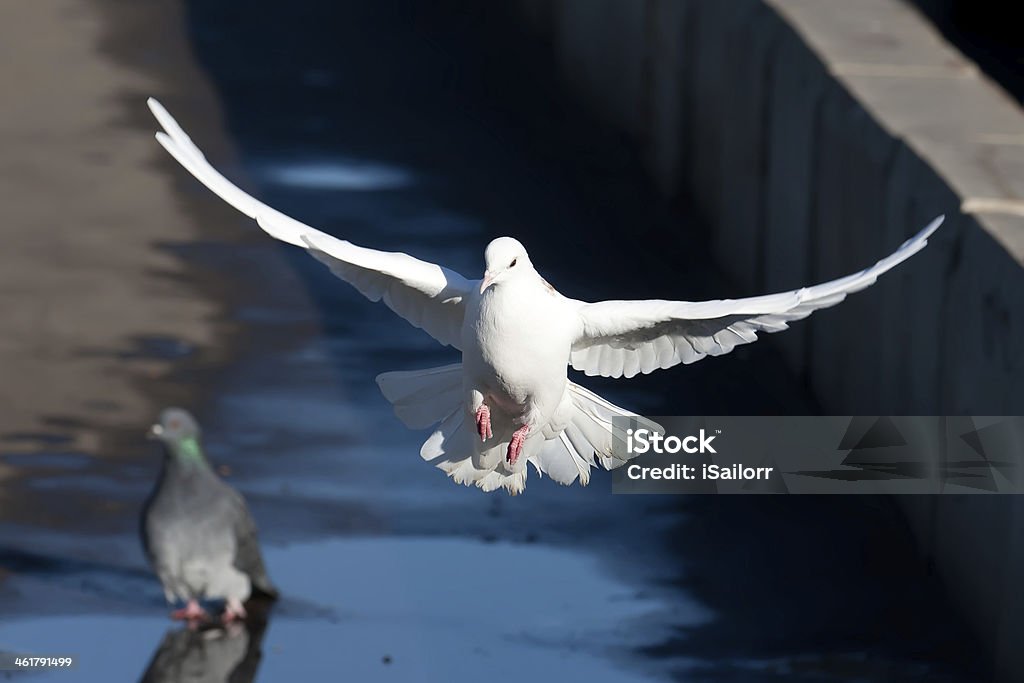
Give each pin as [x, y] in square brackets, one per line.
[433, 130]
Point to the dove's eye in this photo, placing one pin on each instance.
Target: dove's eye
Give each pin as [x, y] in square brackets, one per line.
[513, 263]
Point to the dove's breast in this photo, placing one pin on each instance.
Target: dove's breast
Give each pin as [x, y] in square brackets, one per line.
[516, 345]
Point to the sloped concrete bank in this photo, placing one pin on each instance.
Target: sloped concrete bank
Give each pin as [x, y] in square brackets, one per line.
[119, 284]
[814, 136]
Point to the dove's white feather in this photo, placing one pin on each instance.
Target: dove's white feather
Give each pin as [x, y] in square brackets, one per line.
[625, 338]
[561, 461]
[422, 398]
[425, 397]
[427, 295]
[517, 335]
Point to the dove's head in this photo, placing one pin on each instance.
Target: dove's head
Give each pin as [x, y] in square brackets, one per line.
[179, 432]
[505, 259]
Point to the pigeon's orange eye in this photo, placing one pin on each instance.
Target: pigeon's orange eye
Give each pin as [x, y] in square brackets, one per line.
[174, 424]
[513, 262]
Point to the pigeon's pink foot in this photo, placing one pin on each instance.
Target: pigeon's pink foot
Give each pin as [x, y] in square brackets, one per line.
[483, 422]
[515, 445]
[190, 612]
[233, 611]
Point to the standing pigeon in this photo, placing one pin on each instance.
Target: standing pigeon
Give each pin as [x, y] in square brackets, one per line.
[509, 401]
[197, 530]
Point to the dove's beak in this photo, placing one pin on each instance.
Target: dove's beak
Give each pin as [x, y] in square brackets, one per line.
[154, 432]
[487, 281]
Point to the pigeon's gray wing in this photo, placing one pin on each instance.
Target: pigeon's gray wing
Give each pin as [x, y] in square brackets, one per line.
[427, 295]
[248, 558]
[147, 506]
[625, 338]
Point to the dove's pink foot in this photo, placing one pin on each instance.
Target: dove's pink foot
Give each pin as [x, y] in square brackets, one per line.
[515, 445]
[190, 612]
[233, 611]
[483, 422]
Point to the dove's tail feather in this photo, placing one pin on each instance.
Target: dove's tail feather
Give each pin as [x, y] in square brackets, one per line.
[453, 449]
[588, 439]
[422, 398]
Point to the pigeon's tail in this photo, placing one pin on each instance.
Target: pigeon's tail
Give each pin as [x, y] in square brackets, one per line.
[588, 439]
[422, 398]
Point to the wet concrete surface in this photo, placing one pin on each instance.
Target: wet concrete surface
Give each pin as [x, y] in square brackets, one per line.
[94, 311]
[432, 131]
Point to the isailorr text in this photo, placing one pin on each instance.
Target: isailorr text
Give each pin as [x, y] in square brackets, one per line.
[705, 471]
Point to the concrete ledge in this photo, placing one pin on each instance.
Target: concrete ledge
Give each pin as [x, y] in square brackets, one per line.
[814, 136]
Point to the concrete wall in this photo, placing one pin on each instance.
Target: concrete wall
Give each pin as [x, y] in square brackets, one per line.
[814, 136]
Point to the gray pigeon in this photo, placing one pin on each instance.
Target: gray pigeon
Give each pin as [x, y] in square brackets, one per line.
[196, 530]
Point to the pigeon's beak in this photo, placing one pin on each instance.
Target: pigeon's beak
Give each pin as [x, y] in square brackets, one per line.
[155, 431]
[487, 281]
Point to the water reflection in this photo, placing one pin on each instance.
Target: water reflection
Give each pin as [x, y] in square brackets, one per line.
[336, 174]
[211, 653]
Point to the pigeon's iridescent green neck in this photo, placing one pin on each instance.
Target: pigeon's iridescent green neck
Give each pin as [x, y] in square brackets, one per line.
[189, 450]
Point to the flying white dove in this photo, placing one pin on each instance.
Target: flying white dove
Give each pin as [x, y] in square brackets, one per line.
[510, 401]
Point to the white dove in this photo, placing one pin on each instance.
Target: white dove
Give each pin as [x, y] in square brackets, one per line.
[510, 401]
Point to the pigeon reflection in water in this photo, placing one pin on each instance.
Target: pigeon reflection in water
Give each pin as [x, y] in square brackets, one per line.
[209, 654]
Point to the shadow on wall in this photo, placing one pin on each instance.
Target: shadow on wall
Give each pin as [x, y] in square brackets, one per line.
[813, 149]
[812, 141]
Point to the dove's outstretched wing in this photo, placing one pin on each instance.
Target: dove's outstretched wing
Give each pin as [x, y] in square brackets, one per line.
[625, 338]
[427, 295]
